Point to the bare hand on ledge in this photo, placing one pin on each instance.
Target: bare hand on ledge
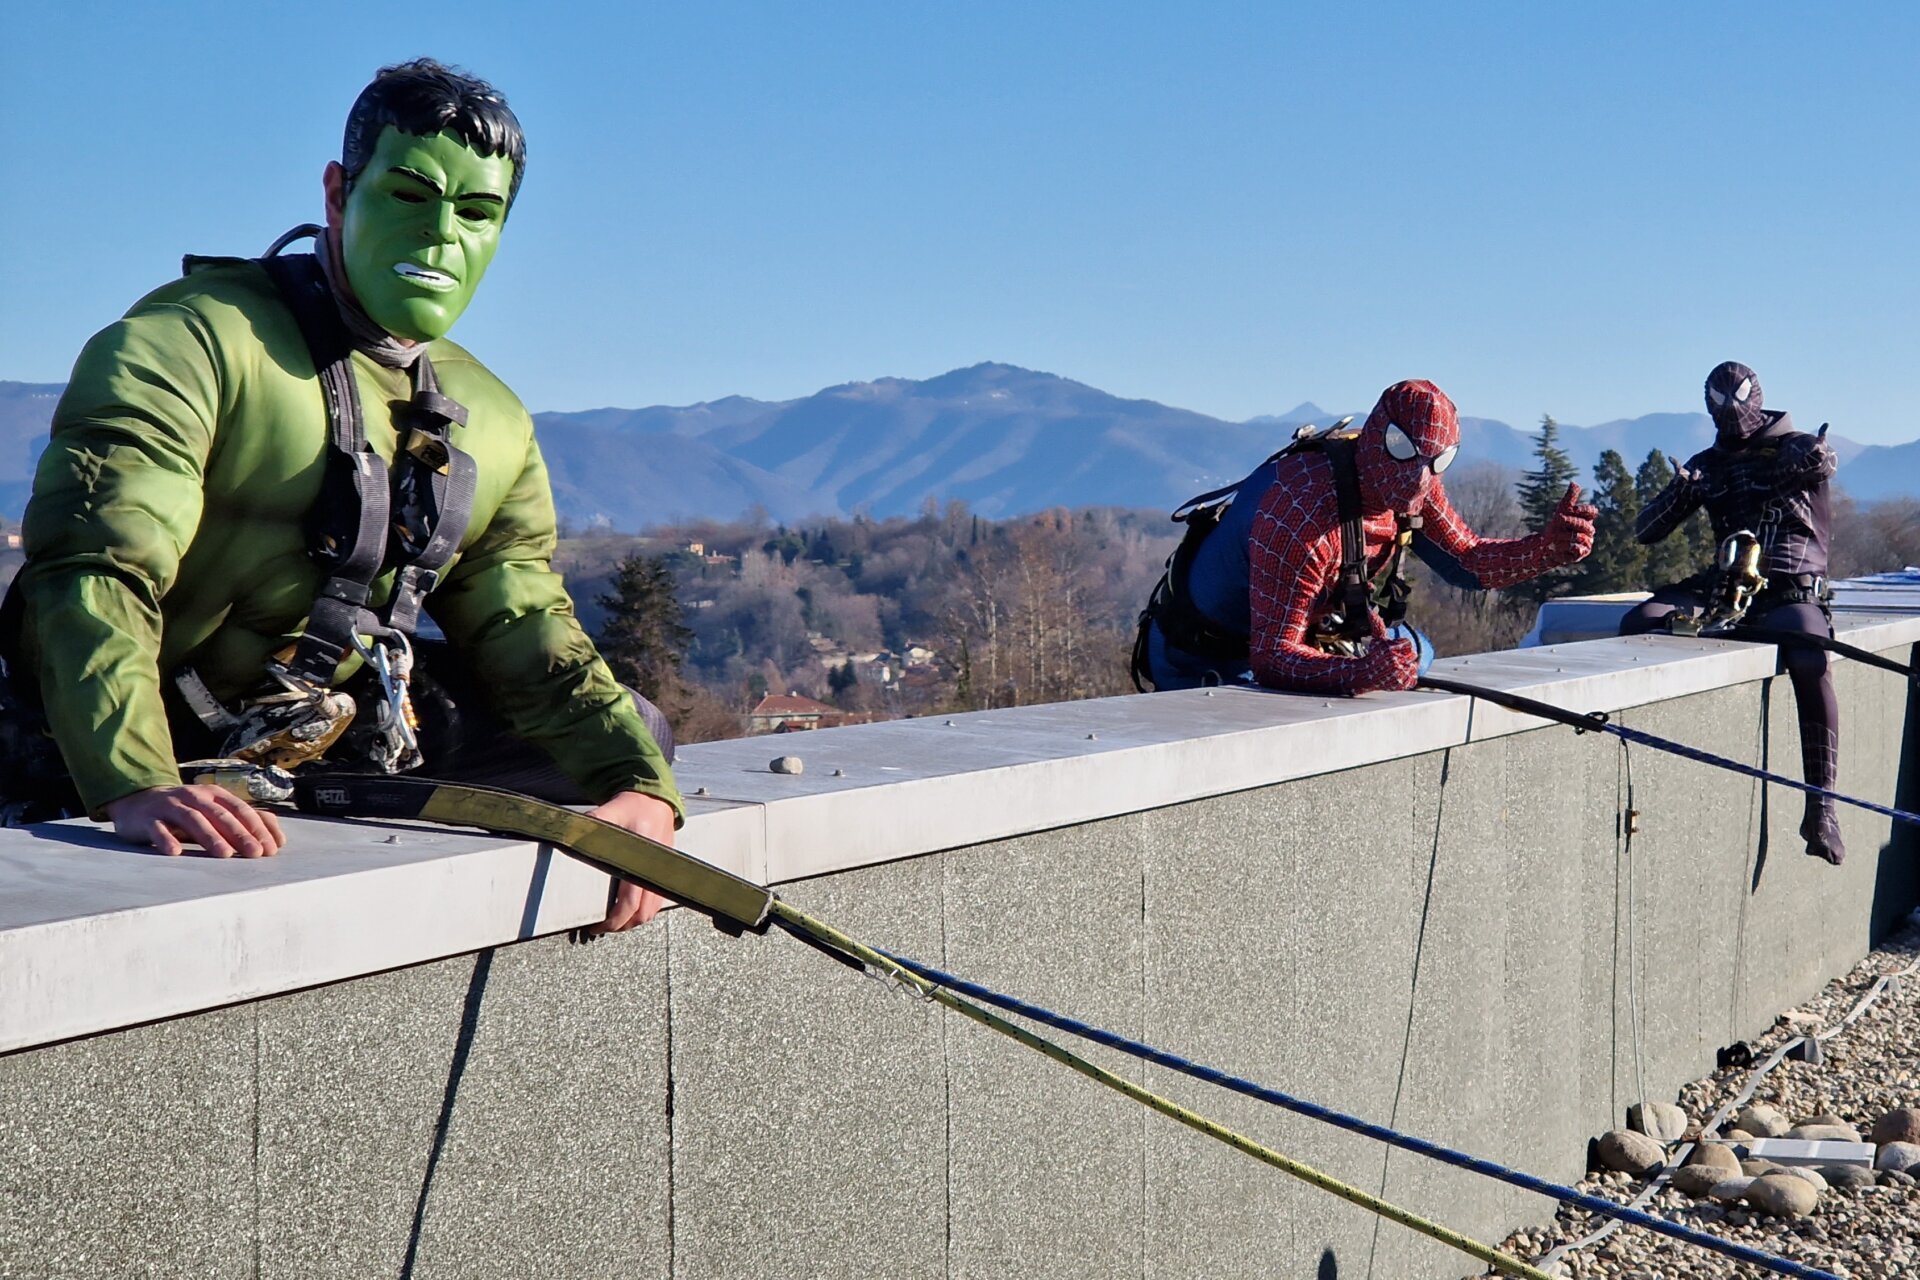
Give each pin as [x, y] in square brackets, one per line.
[215, 820]
[644, 815]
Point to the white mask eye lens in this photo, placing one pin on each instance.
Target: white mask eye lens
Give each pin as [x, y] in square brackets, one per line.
[1744, 390]
[1718, 399]
[1444, 458]
[1399, 447]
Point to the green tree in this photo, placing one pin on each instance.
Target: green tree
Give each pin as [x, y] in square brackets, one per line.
[842, 682]
[1541, 491]
[788, 544]
[1618, 562]
[1676, 556]
[1698, 531]
[1542, 488]
[642, 638]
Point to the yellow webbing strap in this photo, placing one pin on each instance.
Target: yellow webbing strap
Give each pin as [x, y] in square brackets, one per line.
[691, 880]
[680, 876]
[825, 933]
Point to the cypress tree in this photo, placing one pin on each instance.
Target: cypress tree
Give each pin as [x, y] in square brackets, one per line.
[842, 679]
[643, 639]
[1541, 491]
[1618, 562]
[1542, 488]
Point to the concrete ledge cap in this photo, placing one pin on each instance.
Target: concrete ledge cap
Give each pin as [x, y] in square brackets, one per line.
[95, 935]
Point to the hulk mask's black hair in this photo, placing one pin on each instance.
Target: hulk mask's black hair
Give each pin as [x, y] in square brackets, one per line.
[423, 98]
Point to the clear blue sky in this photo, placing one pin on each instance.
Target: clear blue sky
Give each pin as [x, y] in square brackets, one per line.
[1567, 208]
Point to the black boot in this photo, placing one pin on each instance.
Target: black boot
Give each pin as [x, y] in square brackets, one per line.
[1821, 830]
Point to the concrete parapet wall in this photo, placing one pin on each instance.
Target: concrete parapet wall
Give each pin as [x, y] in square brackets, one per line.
[1417, 909]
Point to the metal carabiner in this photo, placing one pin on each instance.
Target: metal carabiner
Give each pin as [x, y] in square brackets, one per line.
[396, 729]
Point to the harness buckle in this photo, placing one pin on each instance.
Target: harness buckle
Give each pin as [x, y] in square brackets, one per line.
[430, 448]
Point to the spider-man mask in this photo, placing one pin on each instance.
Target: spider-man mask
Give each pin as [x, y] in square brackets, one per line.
[1412, 435]
[1733, 401]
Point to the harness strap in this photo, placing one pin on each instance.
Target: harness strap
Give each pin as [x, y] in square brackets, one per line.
[1184, 625]
[1793, 588]
[352, 548]
[1353, 590]
[1392, 589]
[434, 493]
[1362, 594]
[413, 516]
[199, 699]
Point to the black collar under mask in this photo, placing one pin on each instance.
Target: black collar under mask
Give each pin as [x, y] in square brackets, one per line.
[368, 337]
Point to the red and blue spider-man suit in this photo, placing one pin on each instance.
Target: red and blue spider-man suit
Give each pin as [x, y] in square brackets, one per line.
[1294, 546]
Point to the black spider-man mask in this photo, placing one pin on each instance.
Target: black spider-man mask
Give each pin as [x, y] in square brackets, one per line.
[1733, 401]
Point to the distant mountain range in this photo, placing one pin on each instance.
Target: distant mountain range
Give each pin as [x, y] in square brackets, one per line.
[25, 410]
[1004, 439]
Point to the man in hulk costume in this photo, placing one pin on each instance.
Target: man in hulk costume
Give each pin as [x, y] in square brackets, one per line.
[261, 474]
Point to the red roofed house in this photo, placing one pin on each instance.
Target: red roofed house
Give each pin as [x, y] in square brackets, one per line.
[788, 712]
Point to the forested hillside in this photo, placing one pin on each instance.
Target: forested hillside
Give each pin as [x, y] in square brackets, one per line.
[949, 611]
[890, 617]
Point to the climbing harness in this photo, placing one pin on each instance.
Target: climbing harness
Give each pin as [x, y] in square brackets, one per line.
[737, 904]
[410, 517]
[1347, 628]
[1597, 722]
[1357, 594]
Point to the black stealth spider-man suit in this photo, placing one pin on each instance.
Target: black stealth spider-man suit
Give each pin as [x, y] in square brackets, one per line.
[1761, 474]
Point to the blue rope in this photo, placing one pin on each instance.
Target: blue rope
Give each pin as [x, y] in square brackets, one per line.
[1734, 766]
[1339, 1119]
[1585, 721]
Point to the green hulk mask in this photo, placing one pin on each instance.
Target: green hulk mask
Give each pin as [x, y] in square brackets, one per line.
[418, 228]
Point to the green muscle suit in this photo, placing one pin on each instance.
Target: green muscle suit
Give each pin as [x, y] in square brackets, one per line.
[166, 530]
